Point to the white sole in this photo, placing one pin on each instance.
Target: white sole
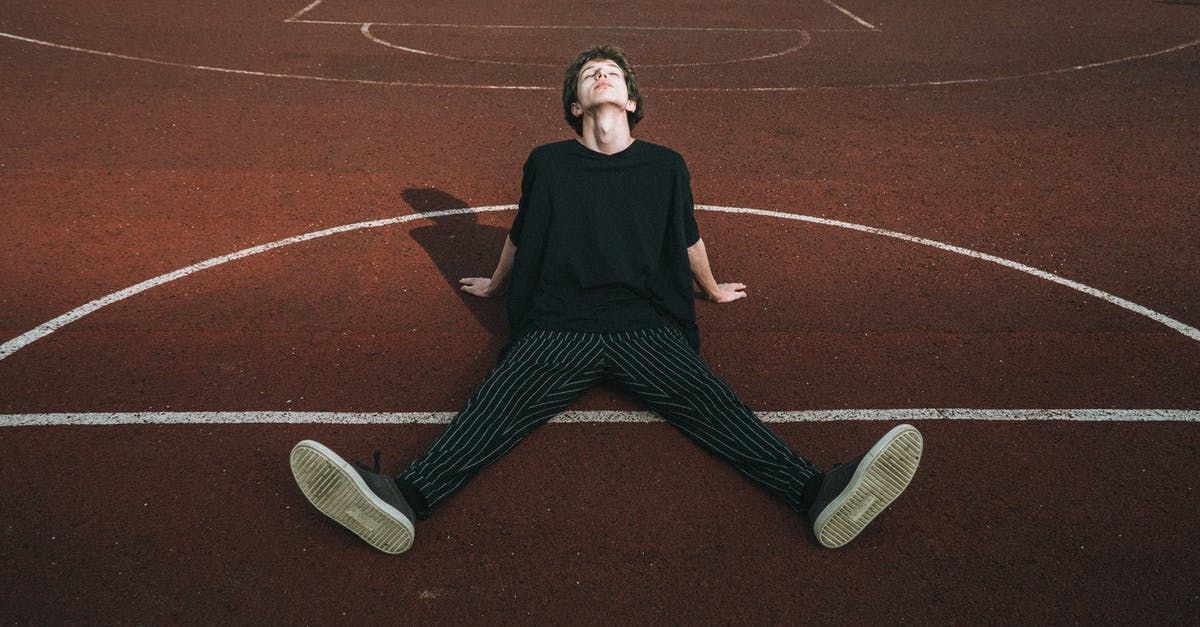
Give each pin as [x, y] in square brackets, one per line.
[884, 472]
[335, 488]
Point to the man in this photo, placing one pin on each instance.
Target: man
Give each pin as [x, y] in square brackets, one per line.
[599, 269]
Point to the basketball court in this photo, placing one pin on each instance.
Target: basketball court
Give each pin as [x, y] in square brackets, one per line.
[231, 227]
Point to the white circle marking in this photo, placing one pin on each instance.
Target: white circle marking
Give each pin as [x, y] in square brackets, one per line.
[362, 81]
[805, 40]
[47, 328]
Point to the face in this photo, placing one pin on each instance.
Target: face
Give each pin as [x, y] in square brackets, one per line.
[602, 82]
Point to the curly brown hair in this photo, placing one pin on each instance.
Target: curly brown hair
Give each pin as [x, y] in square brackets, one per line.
[570, 93]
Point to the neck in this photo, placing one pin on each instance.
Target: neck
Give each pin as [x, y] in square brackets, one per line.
[606, 131]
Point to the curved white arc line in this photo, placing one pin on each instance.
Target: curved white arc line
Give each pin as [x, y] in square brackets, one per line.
[805, 40]
[328, 79]
[1174, 324]
[1065, 70]
[307, 77]
[702, 29]
[366, 32]
[15, 344]
[41, 331]
[946, 82]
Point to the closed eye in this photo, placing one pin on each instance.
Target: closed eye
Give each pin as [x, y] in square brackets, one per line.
[609, 69]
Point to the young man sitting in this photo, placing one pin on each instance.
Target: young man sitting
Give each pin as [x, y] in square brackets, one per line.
[599, 270]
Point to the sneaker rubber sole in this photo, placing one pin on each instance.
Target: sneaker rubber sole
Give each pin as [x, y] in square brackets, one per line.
[335, 488]
[884, 472]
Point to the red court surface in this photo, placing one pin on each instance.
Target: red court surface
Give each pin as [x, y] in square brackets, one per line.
[228, 227]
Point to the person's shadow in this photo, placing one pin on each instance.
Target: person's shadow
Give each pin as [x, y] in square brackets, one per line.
[462, 247]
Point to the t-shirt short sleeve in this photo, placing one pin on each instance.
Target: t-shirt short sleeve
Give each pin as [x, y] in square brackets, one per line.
[514, 231]
[518, 223]
[691, 230]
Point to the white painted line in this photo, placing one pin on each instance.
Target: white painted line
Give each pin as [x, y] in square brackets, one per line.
[784, 89]
[15, 344]
[805, 40]
[575, 417]
[1175, 325]
[947, 82]
[365, 29]
[296, 17]
[583, 27]
[45, 329]
[325, 79]
[851, 15]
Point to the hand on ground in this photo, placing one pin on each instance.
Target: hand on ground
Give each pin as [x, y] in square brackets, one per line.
[728, 292]
[477, 286]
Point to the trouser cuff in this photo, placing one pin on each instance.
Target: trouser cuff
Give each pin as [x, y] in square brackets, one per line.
[811, 488]
[415, 499]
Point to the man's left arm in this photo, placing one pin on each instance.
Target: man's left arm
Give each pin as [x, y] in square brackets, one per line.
[702, 272]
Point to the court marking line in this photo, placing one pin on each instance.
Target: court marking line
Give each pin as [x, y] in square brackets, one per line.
[592, 417]
[715, 29]
[730, 29]
[852, 16]
[954, 81]
[1165, 320]
[805, 40]
[301, 12]
[256, 73]
[47, 328]
[360, 81]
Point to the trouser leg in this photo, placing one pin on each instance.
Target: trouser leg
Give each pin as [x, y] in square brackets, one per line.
[539, 377]
[663, 370]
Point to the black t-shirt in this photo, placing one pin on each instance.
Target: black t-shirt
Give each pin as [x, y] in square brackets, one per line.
[602, 241]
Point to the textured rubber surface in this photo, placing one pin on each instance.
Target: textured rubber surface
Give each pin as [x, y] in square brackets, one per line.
[335, 488]
[884, 472]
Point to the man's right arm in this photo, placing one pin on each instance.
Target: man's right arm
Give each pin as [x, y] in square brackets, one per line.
[495, 286]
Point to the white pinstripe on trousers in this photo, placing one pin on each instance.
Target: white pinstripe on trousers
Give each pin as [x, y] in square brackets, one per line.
[545, 371]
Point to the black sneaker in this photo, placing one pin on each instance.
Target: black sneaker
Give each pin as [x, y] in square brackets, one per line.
[853, 494]
[358, 498]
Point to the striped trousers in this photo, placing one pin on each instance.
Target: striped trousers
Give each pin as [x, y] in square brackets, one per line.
[545, 371]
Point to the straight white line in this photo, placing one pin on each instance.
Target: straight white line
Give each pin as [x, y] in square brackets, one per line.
[851, 15]
[713, 29]
[296, 17]
[569, 417]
